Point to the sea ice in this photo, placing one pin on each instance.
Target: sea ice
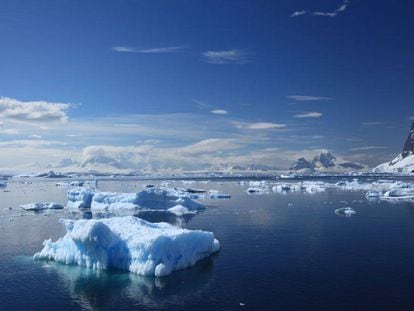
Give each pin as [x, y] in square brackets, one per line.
[129, 243]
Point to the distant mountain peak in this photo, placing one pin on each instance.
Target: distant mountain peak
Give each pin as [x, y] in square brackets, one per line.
[325, 161]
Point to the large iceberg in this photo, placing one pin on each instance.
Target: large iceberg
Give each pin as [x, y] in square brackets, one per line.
[129, 243]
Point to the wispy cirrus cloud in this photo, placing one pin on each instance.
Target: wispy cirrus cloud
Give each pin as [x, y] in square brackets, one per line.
[313, 114]
[265, 126]
[375, 123]
[41, 111]
[368, 148]
[158, 50]
[233, 56]
[308, 98]
[219, 111]
[341, 8]
[297, 13]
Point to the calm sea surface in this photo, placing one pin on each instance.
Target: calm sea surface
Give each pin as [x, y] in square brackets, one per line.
[279, 252]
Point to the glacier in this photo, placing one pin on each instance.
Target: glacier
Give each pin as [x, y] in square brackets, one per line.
[129, 243]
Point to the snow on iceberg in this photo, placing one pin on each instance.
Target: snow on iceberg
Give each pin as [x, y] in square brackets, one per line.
[80, 197]
[129, 243]
[41, 206]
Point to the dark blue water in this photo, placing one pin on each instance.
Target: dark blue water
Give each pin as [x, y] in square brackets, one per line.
[279, 252]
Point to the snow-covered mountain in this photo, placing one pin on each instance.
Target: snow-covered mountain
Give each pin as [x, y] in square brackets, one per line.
[404, 162]
[325, 162]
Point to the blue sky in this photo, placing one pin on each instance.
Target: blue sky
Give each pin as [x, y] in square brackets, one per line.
[282, 78]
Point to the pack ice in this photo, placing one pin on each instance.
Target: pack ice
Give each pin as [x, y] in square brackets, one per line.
[129, 243]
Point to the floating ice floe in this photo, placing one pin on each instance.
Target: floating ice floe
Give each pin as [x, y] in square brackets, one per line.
[41, 206]
[400, 194]
[129, 243]
[75, 183]
[345, 211]
[215, 194]
[256, 190]
[3, 184]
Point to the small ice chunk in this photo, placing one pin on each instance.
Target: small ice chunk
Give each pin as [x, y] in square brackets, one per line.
[41, 206]
[215, 194]
[345, 211]
[257, 190]
[373, 194]
[129, 243]
[180, 210]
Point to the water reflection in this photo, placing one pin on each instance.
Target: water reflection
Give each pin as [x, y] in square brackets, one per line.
[96, 290]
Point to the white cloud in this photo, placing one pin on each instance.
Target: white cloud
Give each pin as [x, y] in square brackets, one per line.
[225, 57]
[368, 148]
[159, 50]
[9, 131]
[219, 111]
[309, 115]
[297, 13]
[35, 136]
[341, 8]
[33, 111]
[308, 98]
[265, 126]
[211, 145]
[372, 123]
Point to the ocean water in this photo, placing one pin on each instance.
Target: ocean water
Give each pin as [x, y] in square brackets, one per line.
[279, 252]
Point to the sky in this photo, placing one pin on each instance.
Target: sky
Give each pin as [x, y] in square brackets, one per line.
[200, 84]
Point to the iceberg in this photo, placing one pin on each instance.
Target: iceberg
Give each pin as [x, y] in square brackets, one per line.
[41, 206]
[114, 201]
[150, 198]
[80, 197]
[129, 243]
